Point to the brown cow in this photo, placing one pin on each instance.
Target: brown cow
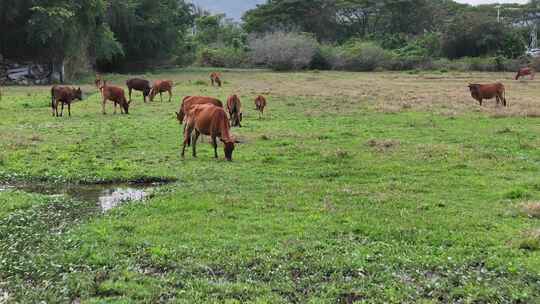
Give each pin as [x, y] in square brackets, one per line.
[234, 106]
[116, 95]
[187, 104]
[209, 120]
[140, 85]
[159, 87]
[260, 104]
[524, 72]
[488, 91]
[189, 101]
[215, 77]
[63, 95]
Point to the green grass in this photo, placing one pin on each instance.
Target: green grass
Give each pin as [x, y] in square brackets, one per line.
[330, 199]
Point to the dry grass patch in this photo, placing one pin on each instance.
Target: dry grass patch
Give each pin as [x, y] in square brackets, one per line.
[530, 240]
[383, 145]
[531, 209]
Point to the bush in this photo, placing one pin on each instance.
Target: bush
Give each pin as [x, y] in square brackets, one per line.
[227, 57]
[362, 56]
[283, 50]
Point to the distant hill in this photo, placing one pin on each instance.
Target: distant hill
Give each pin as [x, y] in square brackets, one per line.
[232, 8]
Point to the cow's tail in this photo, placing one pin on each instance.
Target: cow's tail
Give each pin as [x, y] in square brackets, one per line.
[52, 98]
[517, 75]
[504, 98]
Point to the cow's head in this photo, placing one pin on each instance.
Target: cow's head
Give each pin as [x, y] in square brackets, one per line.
[77, 93]
[153, 93]
[180, 116]
[228, 148]
[474, 88]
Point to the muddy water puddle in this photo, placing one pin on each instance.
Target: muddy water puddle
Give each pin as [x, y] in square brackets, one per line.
[106, 196]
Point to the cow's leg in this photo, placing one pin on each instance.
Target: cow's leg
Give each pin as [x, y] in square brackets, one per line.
[214, 143]
[69, 109]
[480, 101]
[62, 113]
[170, 95]
[103, 106]
[56, 108]
[161, 96]
[115, 105]
[187, 139]
[194, 142]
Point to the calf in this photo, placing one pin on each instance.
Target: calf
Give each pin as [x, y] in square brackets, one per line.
[524, 72]
[260, 104]
[234, 106]
[140, 85]
[488, 91]
[115, 94]
[63, 95]
[215, 78]
[209, 120]
[159, 87]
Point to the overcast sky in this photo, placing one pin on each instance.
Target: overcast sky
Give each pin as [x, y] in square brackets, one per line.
[235, 8]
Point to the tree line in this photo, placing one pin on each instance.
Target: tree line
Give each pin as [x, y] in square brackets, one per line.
[110, 34]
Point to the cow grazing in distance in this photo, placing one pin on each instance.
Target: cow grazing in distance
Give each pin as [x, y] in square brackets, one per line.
[260, 104]
[488, 91]
[63, 95]
[215, 78]
[115, 94]
[234, 107]
[210, 120]
[138, 84]
[161, 86]
[524, 72]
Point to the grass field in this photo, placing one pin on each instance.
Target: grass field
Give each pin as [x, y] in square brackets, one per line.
[356, 187]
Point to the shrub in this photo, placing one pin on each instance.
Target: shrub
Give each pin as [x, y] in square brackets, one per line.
[363, 56]
[222, 57]
[283, 50]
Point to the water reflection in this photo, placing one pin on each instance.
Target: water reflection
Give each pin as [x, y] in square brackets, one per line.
[106, 197]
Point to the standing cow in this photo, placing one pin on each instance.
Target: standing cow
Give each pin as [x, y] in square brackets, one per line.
[115, 94]
[159, 87]
[524, 72]
[138, 84]
[215, 78]
[63, 95]
[234, 106]
[488, 91]
[260, 104]
[209, 120]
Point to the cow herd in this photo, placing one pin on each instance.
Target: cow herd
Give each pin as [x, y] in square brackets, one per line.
[201, 115]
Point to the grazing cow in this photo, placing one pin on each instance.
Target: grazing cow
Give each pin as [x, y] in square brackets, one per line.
[524, 72]
[260, 104]
[140, 85]
[189, 101]
[63, 95]
[115, 94]
[209, 120]
[159, 87]
[234, 106]
[488, 91]
[215, 78]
